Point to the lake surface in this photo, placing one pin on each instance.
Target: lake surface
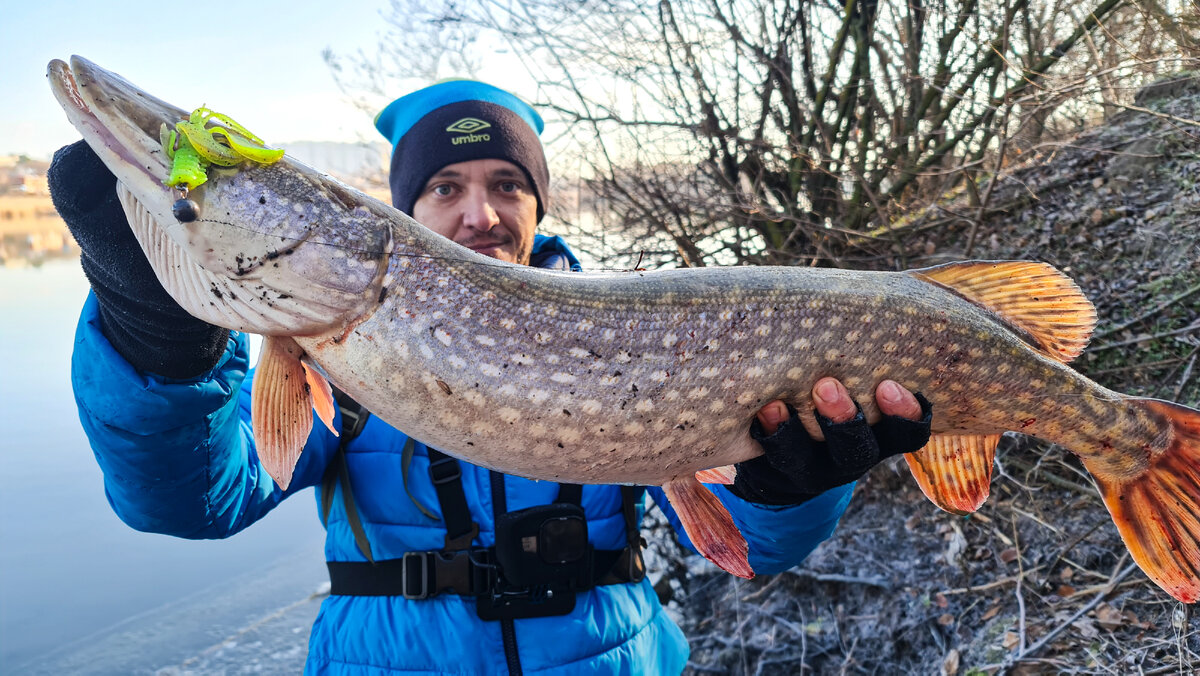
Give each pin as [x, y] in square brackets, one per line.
[73, 578]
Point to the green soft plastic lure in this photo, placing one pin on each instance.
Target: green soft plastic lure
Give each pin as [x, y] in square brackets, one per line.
[193, 145]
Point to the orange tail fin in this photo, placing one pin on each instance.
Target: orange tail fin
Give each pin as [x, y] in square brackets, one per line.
[1158, 513]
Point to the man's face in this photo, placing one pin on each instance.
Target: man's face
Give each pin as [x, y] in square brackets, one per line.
[485, 205]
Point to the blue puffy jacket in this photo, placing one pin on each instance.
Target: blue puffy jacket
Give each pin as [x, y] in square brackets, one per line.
[178, 458]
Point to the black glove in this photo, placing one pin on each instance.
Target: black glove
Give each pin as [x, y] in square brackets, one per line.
[794, 468]
[139, 318]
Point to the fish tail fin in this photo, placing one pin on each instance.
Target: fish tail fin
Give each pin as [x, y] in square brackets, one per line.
[1158, 512]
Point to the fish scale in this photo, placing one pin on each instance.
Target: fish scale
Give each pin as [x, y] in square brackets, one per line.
[635, 377]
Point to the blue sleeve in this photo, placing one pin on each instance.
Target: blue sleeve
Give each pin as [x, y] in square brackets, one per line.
[779, 537]
[178, 455]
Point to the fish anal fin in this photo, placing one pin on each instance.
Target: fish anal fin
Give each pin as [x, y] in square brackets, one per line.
[1042, 304]
[1158, 513]
[717, 475]
[955, 471]
[321, 394]
[709, 525]
[281, 408]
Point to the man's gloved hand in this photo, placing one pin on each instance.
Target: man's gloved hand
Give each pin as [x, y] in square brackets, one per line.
[795, 468]
[139, 318]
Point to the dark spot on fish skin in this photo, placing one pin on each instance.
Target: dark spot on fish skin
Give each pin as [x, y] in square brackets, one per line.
[217, 292]
[383, 292]
[470, 443]
[307, 388]
[560, 444]
[633, 387]
[1027, 422]
[262, 199]
[680, 427]
[616, 373]
[284, 296]
[566, 411]
[445, 387]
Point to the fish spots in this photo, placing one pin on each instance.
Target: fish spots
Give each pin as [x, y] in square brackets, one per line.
[585, 325]
[537, 430]
[466, 312]
[858, 362]
[485, 340]
[796, 373]
[716, 406]
[1003, 368]
[442, 336]
[526, 310]
[835, 321]
[808, 322]
[508, 415]
[725, 315]
[569, 435]
[508, 324]
[623, 357]
[755, 372]
[853, 336]
[801, 344]
[644, 406]
[543, 337]
[608, 335]
[538, 396]
[686, 419]
[761, 353]
[591, 407]
[659, 376]
[426, 351]
[762, 330]
[890, 347]
[480, 428]
[746, 398]
[522, 359]
[929, 351]
[1037, 384]
[712, 344]
[563, 377]
[709, 372]
[490, 370]
[421, 295]
[633, 429]
[833, 355]
[735, 356]
[726, 424]
[475, 398]
[669, 340]
[457, 361]
[698, 392]
[671, 395]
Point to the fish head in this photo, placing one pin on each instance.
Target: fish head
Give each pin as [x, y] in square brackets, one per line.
[278, 249]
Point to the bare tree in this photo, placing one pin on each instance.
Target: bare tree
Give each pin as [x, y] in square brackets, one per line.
[783, 132]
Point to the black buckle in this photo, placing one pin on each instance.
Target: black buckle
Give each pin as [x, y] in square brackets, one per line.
[415, 569]
[442, 476]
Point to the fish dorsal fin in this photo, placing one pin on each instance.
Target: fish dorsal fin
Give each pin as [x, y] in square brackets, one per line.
[955, 472]
[1042, 304]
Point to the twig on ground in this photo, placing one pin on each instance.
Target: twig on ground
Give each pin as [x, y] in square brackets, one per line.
[1187, 374]
[1147, 314]
[1053, 633]
[1194, 326]
[844, 579]
[1017, 590]
[991, 585]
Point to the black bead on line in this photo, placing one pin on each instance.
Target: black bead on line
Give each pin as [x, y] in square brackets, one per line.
[185, 210]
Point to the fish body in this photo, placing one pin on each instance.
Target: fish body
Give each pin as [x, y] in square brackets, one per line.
[636, 377]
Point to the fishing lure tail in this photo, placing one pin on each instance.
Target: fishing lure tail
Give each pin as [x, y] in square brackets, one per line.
[1158, 513]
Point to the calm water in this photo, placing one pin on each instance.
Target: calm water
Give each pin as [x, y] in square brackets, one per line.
[71, 574]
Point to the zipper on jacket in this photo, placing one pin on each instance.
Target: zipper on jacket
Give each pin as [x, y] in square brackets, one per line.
[508, 628]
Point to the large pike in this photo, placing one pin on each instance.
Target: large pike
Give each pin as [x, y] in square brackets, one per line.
[638, 377]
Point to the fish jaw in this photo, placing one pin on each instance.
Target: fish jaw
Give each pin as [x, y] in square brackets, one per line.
[119, 121]
[276, 250]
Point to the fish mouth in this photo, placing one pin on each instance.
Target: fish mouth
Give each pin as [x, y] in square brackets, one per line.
[119, 121]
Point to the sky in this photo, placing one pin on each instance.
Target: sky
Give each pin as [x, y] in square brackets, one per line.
[258, 61]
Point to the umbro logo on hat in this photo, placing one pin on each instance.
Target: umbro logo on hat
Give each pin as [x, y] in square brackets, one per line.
[468, 126]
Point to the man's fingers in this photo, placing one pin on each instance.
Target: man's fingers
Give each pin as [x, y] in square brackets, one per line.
[833, 401]
[895, 400]
[772, 416]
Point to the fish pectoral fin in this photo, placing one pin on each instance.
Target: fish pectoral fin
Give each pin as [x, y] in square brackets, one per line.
[321, 394]
[718, 475]
[281, 408]
[1158, 513]
[1044, 306]
[709, 526]
[955, 471]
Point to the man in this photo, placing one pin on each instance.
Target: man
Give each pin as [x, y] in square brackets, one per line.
[438, 566]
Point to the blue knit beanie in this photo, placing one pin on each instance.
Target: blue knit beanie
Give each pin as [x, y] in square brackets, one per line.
[458, 121]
